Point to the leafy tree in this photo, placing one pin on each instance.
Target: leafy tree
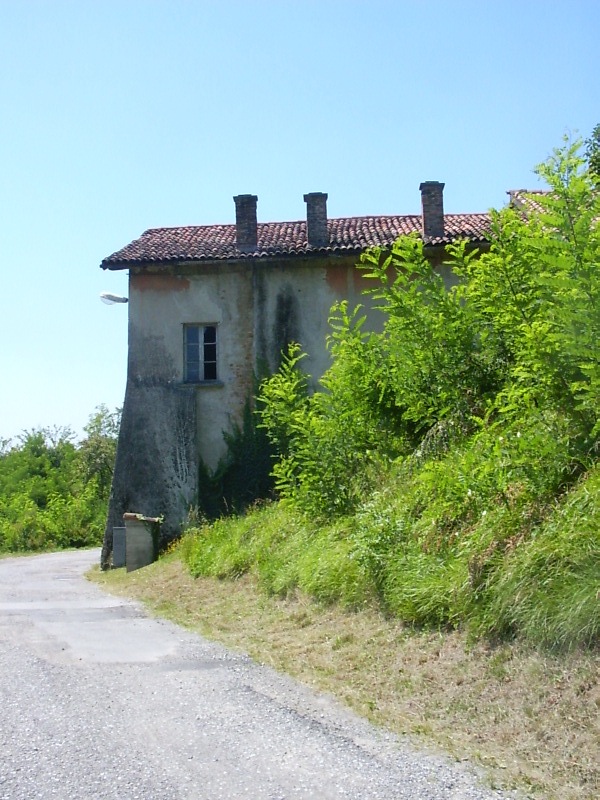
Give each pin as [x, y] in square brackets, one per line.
[53, 492]
[42, 462]
[538, 291]
[98, 449]
[435, 362]
[592, 153]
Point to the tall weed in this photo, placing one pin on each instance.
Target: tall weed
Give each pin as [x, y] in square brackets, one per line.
[548, 588]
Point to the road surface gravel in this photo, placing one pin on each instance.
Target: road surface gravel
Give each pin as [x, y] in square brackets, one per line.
[98, 700]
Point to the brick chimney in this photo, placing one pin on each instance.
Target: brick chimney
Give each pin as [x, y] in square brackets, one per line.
[316, 219]
[246, 236]
[432, 203]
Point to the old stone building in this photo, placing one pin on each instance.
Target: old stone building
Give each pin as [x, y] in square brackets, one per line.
[212, 305]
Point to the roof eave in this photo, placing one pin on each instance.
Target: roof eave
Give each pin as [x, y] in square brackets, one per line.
[312, 252]
[263, 256]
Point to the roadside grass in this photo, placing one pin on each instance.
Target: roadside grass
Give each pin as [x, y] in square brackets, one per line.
[530, 718]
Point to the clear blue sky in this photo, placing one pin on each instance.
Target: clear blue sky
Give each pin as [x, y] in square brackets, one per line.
[122, 115]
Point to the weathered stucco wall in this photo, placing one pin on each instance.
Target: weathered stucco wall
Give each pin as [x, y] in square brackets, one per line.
[156, 466]
[161, 304]
[293, 303]
[258, 309]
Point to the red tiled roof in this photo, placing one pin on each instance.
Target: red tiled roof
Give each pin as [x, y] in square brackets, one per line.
[346, 235]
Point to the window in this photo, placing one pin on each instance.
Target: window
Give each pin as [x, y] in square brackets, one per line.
[200, 353]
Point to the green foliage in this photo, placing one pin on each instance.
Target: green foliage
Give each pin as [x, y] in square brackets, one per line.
[592, 154]
[283, 399]
[54, 492]
[44, 459]
[447, 467]
[244, 475]
[549, 589]
[537, 291]
[450, 542]
[97, 452]
[443, 535]
[331, 444]
[432, 363]
[517, 328]
[286, 552]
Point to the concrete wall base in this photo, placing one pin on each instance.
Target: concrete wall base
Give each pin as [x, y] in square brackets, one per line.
[141, 541]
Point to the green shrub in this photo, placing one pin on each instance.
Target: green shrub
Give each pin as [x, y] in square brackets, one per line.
[53, 491]
[447, 467]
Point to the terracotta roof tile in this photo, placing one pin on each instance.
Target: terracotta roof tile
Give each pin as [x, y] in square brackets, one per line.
[347, 234]
[524, 199]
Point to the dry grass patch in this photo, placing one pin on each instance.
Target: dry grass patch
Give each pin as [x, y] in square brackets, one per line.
[533, 720]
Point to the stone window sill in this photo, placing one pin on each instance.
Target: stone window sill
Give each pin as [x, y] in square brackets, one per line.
[202, 384]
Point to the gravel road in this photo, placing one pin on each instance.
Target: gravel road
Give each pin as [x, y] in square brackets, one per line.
[97, 700]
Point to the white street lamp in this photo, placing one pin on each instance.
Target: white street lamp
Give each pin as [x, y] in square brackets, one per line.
[111, 299]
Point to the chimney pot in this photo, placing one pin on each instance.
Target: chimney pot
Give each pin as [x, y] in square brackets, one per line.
[432, 204]
[246, 227]
[316, 219]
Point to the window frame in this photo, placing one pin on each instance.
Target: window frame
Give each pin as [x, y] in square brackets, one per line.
[198, 366]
